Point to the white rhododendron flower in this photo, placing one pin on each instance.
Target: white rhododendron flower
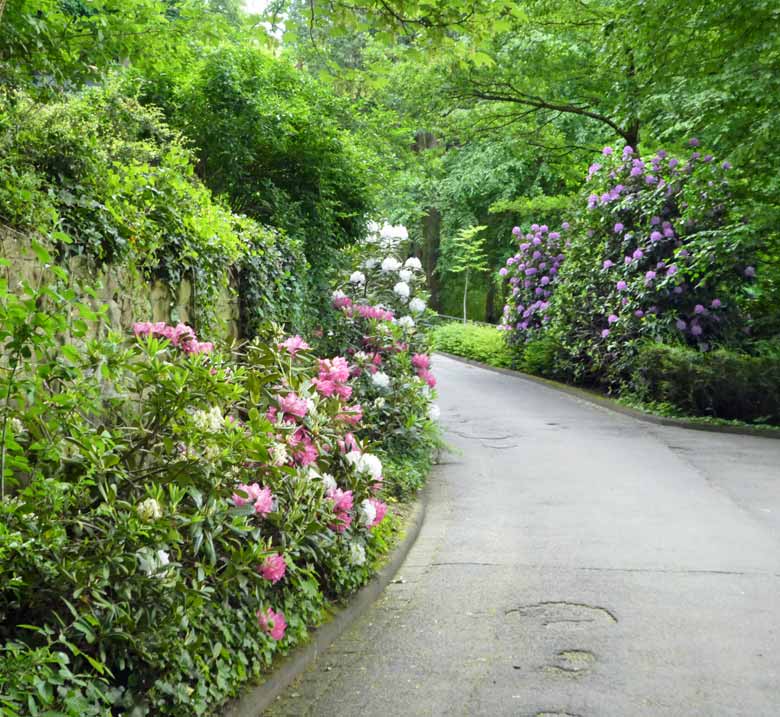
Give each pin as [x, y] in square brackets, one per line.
[380, 379]
[417, 305]
[17, 426]
[357, 554]
[149, 510]
[153, 564]
[402, 289]
[413, 263]
[405, 275]
[370, 464]
[328, 481]
[367, 512]
[357, 277]
[279, 455]
[211, 421]
[391, 264]
[406, 322]
[338, 294]
[370, 263]
[434, 412]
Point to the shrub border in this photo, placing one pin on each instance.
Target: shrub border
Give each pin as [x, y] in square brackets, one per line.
[257, 698]
[613, 405]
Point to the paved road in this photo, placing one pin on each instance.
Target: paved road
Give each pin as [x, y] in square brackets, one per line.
[573, 562]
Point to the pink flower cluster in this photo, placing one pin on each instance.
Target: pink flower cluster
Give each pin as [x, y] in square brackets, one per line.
[381, 512]
[333, 376]
[422, 363]
[294, 344]
[342, 503]
[272, 623]
[273, 568]
[181, 336]
[369, 312]
[261, 497]
[351, 414]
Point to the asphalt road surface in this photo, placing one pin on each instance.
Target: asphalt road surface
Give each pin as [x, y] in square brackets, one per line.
[573, 561]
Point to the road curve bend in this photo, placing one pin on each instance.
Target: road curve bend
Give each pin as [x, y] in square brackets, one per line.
[574, 562]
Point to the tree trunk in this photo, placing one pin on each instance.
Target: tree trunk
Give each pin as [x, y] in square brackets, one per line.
[465, 296]
[431, 232]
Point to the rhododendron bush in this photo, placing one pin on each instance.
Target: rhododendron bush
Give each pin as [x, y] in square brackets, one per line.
[654, 252]
[173, 515]
[381, 318]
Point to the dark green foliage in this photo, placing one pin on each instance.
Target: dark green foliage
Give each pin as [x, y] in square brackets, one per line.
[723, 383]
[274, 142]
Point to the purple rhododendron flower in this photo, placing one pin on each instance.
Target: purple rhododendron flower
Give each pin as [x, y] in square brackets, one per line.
[696, 330]
[604, 333]
[655, 236]
[693, 141]
[716, 304]
[621, 285]
[606, 151]
[612, 318]
[618, 228]
[639, 313]
[680, 324]
[750, 271]
[608, 264]
[638, 254]
[699, 309]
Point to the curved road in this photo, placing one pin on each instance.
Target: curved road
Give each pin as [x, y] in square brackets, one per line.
[573, 562]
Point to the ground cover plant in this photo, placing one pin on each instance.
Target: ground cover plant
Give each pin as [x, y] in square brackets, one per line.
[473, 341]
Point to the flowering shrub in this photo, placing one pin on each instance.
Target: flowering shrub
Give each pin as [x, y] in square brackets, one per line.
[532, 272]
[172, 516]
[654, 254]
[381, 313]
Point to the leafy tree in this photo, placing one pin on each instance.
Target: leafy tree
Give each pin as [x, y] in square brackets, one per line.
[464, 254]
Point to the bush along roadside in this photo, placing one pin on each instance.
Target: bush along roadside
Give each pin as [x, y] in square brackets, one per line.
[174, 515]
[657, 268]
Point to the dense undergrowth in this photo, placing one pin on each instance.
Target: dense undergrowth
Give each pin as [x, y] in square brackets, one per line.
[175, 514]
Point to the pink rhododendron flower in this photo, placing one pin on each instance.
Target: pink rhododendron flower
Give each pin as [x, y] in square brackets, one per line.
[264, 503]
[272, 623]
[294, 344]
[428, 377]
[273, 568]
[381, 511]
[352, 414]
[292, 405]
[421, 361]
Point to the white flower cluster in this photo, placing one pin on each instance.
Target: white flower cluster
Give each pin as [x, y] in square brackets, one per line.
[357, 553]
[390, 263]
[434, 412]
[367, 513]
[211, 421]
[149, 510]
[357, 277]
[413, 263]
[380, 379]
[365, 463]
[417, 305]
[279, 455]
[153, 564]
[17, 427]
[401, 289]
[407, 322]
[405, 275]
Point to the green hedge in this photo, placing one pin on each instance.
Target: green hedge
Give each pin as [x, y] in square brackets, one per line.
[721, 383]
[481, 343]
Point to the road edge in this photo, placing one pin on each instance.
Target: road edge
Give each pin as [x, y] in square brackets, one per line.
[612, 405]
[255, 699]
